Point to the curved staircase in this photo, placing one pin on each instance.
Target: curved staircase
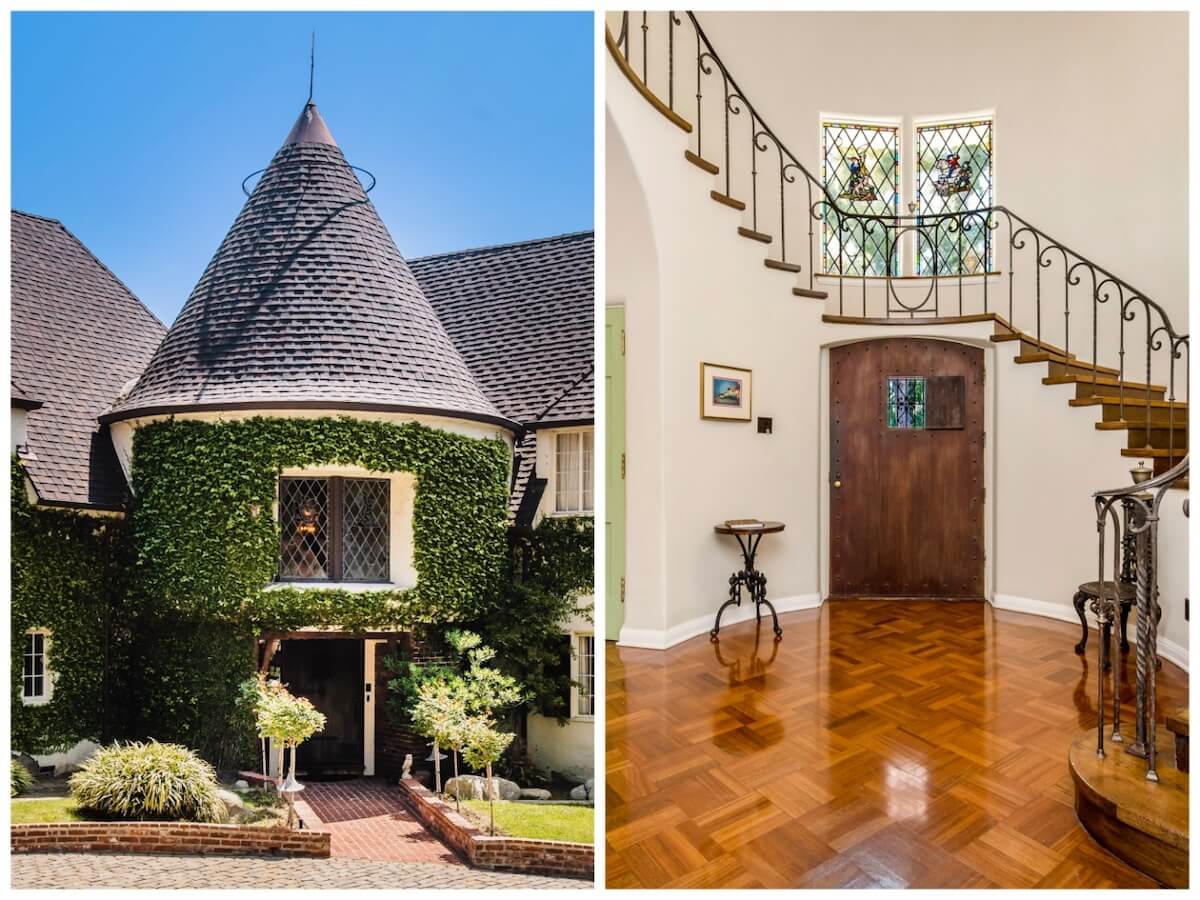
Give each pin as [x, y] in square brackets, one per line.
[1153, 415]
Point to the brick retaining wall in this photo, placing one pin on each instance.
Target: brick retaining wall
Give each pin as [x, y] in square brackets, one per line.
[502, 853]
[168, 837]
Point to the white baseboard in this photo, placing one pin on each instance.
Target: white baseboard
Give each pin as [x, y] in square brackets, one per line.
[649, 639]
[1167, 649]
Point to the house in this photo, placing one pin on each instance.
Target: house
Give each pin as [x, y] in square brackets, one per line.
[870, 285]
[326, 452]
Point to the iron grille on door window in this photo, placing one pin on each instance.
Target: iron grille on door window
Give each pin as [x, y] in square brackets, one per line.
[573, 459]
[334, 529]
[861, 169]
[954, 174]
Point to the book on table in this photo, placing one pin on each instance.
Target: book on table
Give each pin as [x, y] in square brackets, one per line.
[744, 523]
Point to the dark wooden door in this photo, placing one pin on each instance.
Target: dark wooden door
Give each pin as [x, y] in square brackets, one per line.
[329, 672]
[907, 518]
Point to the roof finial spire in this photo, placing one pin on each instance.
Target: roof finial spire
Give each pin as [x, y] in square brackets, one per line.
[312, 64]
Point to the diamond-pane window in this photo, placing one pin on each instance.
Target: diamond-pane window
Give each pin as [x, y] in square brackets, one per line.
[365, 530]
[304, 528]
[905, 401]
[954, 174]
[861, 169]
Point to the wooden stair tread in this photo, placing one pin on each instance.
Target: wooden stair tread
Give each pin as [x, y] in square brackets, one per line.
[1042, 356]
[709, 167]
[1129, 402]
[1141, 822]
[754, 235]
[917, 320]
[781, 266]
[1032, 341]
[811, 294]
[1103, 380]
[1177, 721]
[726, 200]
[1154, 453]
[1126, 425]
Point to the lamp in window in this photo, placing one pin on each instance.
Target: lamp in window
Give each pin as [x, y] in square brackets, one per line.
[306, 523]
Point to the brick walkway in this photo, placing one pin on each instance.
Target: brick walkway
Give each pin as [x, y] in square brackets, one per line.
[367, 820]
[125, 870]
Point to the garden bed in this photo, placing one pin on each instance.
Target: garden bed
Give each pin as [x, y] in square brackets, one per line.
[544, 820]
[501, 852]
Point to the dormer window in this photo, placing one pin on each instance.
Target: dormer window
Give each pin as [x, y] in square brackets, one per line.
[334, 529]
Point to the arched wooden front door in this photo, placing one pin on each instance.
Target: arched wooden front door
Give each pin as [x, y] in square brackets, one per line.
[906, 470]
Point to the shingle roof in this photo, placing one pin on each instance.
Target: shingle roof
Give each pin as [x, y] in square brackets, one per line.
[21, 398]
[78, 335]
[523, 317]
[308, 302]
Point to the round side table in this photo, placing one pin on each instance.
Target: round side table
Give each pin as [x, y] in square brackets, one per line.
[748, 538]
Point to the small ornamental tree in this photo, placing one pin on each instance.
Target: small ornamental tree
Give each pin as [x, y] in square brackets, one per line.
[287, 720]
[439, 714]
[482, 746]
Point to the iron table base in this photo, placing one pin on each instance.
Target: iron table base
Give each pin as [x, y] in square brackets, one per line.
[754, 581]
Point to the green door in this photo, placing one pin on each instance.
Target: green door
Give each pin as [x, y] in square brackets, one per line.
[614, 456]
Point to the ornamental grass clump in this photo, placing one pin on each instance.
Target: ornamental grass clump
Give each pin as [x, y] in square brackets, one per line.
[22, 779]
[164, 782]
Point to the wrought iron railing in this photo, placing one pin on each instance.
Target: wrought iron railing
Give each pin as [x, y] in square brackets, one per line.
[1038, 284]
[1146, 500]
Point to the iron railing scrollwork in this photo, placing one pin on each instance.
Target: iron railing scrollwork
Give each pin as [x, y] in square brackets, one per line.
[1039, 285]
[1146, 500]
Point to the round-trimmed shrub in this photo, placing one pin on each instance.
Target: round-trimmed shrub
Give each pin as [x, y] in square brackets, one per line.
[149, 781]
[22, 779]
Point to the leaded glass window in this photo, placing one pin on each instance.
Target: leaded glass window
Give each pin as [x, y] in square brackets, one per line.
[905, 401]
[954, 174]
[861, 169]
[34, 676]
[365, 530]
[334, 529]
[573, 472]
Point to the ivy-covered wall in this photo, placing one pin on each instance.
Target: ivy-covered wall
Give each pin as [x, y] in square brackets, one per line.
[183, 581]
[68, 575]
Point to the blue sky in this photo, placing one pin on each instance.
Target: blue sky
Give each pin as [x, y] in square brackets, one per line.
[136, 129]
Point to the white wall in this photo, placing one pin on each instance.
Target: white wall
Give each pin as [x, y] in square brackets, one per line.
[1091, 129]
[715, 301]
[567, 748]
[18, 432]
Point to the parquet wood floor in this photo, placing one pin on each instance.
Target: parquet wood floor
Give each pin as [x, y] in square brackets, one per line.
[879, 744]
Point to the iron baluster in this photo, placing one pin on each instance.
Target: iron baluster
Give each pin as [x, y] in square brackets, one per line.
[645, 53]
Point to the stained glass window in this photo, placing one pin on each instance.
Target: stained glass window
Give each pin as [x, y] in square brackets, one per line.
[861, 169]
[905, 401]
[365, 529]
[953, 174]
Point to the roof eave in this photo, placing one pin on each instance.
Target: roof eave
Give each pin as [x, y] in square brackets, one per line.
[139, 412]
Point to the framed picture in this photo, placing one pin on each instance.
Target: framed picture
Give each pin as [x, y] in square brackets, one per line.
[724, 393]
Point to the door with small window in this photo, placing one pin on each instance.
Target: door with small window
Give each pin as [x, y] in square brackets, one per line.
[906, 470]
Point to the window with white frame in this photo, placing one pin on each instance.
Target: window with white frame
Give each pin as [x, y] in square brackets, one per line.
[585, 691]
[573, 472]
[35, 676]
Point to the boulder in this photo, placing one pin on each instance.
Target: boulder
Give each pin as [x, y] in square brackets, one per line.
[582, 791]
[535, 794]
[29, 763]
[241, 785]
[474, 787]
[235, 806]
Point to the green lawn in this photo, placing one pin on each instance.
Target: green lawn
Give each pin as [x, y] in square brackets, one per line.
[548, 821]
[47, 810]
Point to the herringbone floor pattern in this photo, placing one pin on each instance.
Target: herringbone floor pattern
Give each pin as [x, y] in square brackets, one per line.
[880, 744]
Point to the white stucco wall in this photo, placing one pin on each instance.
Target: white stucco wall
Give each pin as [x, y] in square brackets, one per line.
[713, 300]
[568, 749]
[17, 429]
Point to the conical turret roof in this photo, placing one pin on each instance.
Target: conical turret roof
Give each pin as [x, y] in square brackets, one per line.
[308, 303]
